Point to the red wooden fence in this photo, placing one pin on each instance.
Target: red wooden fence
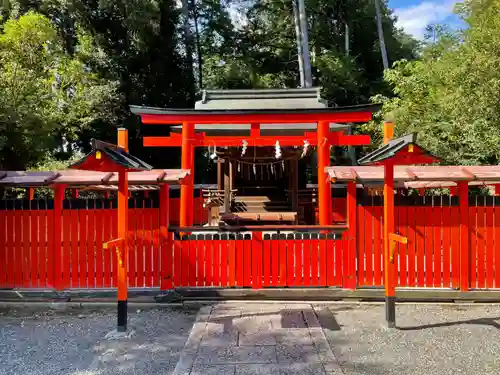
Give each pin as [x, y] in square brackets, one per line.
[431, 259]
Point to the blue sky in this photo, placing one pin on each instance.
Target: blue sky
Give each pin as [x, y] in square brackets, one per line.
[415, 15]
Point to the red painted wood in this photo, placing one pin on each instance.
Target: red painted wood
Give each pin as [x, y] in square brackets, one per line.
[166, 251]
[18, 251]
[184, 263]
[282, 262]
[331, 264]
[490, 249]
[99, 259]
[44, 221]
[496, 223]
[91, 234]
[465, 254]
[155, 248]
[323, 261]
[33, 250]
[137, 242]
[82, 248]
[455, 246]
[49, 263]
[481, 250]
[114, 255]
[262, 118]
[224, 259]
[192, 263]
[410, 234]
[257, 254]
[217, 259]
[428, 245]
[26, 242]
[306, 244]
[369, 219]
[200, 261]
[446, 230]
[275, 265]
[266, 265]
[314, 262]
[299, 268]
[107, 254]
[402, 249]
[473, 249]
[437, 246]
[66, 247]
[364, 246]
[348, 257]
[208, 247]
[378, 245]
[239, 262]
[75, 258]
[231, 261]
[177, 271]
[247, 262]
[11, 280]
[290, 264]
[4, 251]
[420, 245]
[340, 247]
[148, 247]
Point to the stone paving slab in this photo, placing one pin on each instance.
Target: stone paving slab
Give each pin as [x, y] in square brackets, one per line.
[257, 339]
[236, 354]
[291, 369]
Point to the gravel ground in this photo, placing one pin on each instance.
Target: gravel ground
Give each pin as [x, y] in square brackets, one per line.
[431, 339]
[72, 342]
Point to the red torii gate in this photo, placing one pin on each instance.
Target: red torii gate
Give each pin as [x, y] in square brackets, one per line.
[323, 138]
[106, 157]
[400, 151]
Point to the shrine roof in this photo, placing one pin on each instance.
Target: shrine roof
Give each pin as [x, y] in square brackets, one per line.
[140, 110]
[116, 155]
[402, 150]
[262, 98]
[280, 116]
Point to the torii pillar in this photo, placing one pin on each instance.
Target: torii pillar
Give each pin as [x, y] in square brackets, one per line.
[324, 187]
[106, 157]
[187, 163]
[400, 151]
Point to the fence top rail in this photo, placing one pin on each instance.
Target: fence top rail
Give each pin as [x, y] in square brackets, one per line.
[262, 228]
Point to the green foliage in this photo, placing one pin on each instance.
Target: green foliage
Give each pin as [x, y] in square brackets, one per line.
[46, 96]
[450, 96]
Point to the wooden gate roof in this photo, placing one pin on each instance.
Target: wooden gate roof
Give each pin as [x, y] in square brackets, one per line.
[430, 176]
[80, 178]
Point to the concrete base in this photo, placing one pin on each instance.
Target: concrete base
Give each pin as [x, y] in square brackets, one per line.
[115, 335]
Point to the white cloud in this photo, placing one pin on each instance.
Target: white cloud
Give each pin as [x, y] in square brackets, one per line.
[416, 18]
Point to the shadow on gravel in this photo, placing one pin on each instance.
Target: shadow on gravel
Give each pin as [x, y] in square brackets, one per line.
[492, 322]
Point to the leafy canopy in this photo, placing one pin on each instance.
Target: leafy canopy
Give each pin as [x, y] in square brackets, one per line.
[46, 95]
[450, 96]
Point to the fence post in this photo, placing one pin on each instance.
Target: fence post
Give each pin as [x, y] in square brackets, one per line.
[350, 279]
[57, 227]
[463, 193]
[257, 249]
[166, 245]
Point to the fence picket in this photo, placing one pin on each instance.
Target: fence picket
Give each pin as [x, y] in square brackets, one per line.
[430, 259]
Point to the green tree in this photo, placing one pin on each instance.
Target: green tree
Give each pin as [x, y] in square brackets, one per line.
[46, 95]
[450, 96]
